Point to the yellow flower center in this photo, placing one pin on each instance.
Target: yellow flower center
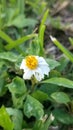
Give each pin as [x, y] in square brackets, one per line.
[31, 62]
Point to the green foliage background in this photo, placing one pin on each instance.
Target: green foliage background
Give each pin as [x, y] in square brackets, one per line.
[22, 29]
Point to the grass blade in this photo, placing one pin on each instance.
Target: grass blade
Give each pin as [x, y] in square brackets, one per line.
[62, 48]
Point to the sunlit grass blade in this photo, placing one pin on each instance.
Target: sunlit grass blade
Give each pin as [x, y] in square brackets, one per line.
[19, 41]
[41, 38]
[62, 48]
[44, 17]
[5, 37]
[11, 43]
[41, 32]
[71, 41]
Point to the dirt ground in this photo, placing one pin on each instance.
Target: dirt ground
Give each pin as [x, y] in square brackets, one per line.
[65, 12]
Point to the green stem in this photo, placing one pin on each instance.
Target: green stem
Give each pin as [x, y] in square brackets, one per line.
[33, 81]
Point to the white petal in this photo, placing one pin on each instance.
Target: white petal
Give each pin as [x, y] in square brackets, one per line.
[38, 74]
[45, 69]
[28, 74]
[42, 61]
[23, 65]
[38, 70]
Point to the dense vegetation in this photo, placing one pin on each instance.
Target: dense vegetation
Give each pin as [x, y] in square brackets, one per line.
[40, 31]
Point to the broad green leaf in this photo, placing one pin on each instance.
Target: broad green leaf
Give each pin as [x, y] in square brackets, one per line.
[48, 88]
[11, 14]
[18, 91]
[60, 97]
[63, 116]
[18, 100]
[5, 120]
[17, 86]
[20, 21]
[1, 63]
[9, 56]
[60, 82]
[40, 96]
[52, 63]
[62, 48]
[55, 73]
[18, 62]
[17, 118]
[63, 64]
[33, 107]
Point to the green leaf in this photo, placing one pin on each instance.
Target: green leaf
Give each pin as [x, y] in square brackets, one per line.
[11, 14]
[40, 96]
[63, 64]
[18, 91]
[55, 73]
[60, 82]
[20, 21]
[48, 88]
[18, 100]
[17, 118]
[62, 48]
[17, 86]
[9, 56]
[33, 107]
[63, 116]
[2, 63]
[60, 97]
[5, 120]
[52, 63]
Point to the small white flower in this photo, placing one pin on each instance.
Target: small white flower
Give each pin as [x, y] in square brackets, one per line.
[34, 66]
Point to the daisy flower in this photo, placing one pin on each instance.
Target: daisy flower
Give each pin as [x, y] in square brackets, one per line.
[34, 66]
